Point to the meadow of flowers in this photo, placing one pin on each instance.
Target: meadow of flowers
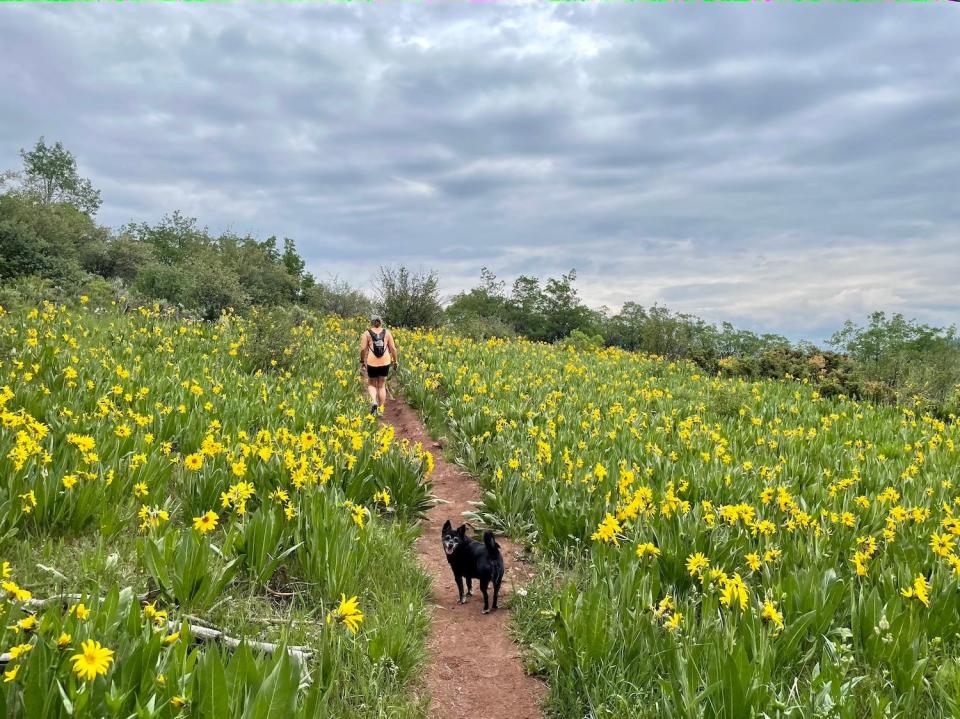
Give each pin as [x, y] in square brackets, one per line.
[169, 485]
[721, 548]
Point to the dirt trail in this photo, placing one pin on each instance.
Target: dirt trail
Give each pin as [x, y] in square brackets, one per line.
[474, 667]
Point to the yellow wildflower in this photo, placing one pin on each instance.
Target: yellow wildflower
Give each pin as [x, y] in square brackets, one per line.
[93, 660]
[771, 614]
[696, 563]
[347, 613]
[205, 523]
[920, 590]
[646, 548]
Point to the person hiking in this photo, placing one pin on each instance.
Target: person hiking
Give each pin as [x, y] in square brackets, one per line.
[377, 352]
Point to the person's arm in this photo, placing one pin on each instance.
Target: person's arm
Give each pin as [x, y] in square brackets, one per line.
[364, 349]
[392, 348]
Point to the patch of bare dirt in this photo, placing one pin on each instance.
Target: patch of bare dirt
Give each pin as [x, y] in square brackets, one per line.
[474, 668]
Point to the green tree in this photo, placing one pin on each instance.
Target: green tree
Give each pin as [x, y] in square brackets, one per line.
[562, 310]
[214, 287]
[903, 358]
[44, 240]
[50, 176]
[161, 281]
[259, 268]
[21, 251]
[659, 331]
[119, 257]
[337, 297]
[484, 310]
[408, 299]
[291, 259]
[296, 268]
[524, 307]
[175, 238]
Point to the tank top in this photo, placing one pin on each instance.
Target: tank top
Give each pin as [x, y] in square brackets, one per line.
[372, 359]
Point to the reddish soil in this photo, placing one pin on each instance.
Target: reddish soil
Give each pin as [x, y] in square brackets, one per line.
[474, 667]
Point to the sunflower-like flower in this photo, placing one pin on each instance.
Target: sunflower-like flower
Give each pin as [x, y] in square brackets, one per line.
[205, 523]
[347, 613]
[93, 660]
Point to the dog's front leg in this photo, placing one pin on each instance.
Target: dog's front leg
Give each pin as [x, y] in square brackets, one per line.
[469, 586]
[459, 587]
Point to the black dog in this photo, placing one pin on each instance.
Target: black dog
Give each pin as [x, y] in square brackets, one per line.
[471, 559]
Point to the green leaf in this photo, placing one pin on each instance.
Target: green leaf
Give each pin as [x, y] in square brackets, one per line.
[278, 693]
[211, 696]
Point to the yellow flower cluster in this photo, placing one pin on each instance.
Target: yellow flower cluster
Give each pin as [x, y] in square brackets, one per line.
[775, 481]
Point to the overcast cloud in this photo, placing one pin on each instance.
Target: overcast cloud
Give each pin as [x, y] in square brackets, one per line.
[778, 165]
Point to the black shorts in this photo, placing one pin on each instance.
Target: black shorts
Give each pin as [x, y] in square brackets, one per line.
[373, 372]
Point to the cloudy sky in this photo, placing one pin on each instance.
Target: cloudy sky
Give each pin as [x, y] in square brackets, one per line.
[783, 166]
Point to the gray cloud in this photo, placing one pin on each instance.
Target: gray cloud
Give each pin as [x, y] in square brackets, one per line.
[783, 166]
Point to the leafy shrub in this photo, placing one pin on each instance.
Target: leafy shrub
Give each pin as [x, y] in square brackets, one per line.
[581, 341]
[832, 373]
[269, 342]
[186, 567]
[408, 299]
[337, 297]
[261, 542]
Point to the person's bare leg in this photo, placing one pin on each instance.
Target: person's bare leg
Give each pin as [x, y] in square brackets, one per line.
[372, 390]
[382, 391]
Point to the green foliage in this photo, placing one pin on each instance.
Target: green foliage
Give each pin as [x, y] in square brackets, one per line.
[50, 177]
[175, 239]
[837, 516]
[479, 327]
[45, 240]
[186, 567]
[164, 282]
[149, 675]
[297, 443]
[657, 330]
[549, 313]
[270, 342]
[262, 543]
[904, 359]
[20, 251]
[581, 341]
[212, 288]
[260, 269]
[47, 230]
[832, 373]
[26, 291]
[407, 299]
[483, 311]
[562, 310]
[120, 257]
[338, 297]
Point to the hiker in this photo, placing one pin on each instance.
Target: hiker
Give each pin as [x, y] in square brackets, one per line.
[377, 351]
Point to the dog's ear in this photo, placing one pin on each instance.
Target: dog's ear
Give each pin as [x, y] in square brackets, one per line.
[462, 530]
[446, 526]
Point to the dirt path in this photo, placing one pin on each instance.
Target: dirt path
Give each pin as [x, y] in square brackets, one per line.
[474, 667]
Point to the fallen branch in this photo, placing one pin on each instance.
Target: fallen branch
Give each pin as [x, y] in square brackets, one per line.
[36, 605]
[194, 619]
[276, 593]
[207, 634]
[52, 570]
[281, 621]
[199, 629]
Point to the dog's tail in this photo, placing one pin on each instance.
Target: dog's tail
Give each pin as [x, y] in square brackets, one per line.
[490, 543]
